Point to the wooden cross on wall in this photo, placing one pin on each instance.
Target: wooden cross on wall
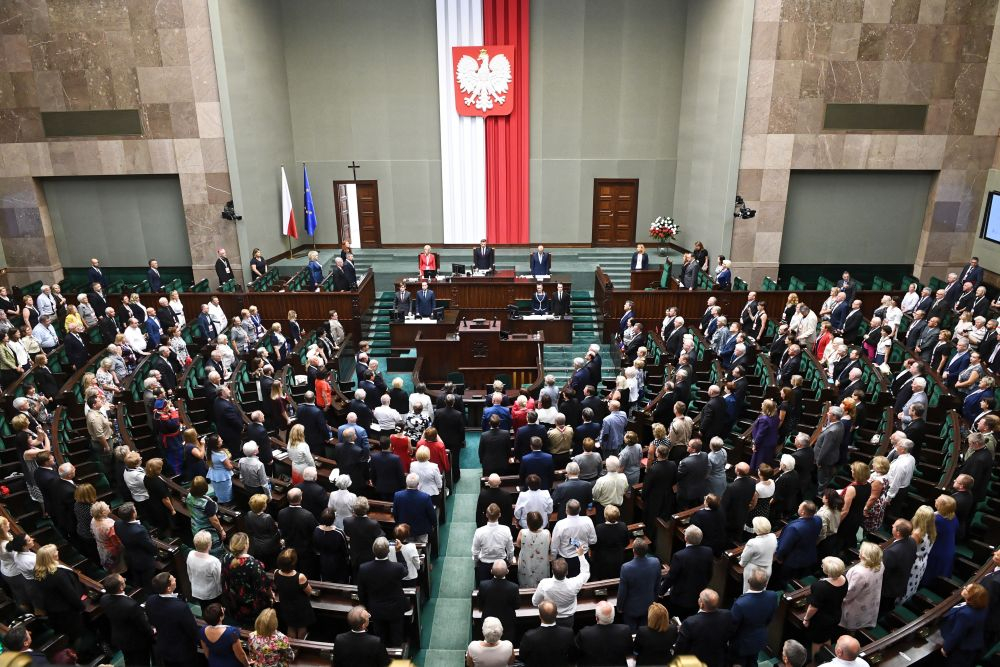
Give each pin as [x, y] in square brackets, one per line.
[354, 166]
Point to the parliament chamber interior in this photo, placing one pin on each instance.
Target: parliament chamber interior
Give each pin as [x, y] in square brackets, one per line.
[499, 332]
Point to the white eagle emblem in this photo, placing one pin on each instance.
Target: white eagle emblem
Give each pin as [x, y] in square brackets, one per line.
[485, 81]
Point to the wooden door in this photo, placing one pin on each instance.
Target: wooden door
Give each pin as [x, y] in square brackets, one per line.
[368, 220]
[614, 211]
[366, 193]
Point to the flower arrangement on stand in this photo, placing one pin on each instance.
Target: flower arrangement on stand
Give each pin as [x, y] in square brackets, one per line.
[664, 230]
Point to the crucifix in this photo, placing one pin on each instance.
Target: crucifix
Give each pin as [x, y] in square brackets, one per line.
[354, 166]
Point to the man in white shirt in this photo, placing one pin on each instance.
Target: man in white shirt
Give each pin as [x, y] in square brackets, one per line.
[134, 336]
[387, 417]
[46, 303]
[562, 590]
[45, 334]
[533, 499]
[570, 534]
[847, 652]
[217, 314]
[491, 543]
[901, 469]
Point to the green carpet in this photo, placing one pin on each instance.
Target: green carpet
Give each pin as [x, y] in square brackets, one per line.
[446, 620]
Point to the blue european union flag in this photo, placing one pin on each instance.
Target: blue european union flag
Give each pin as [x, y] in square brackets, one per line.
[310, 213]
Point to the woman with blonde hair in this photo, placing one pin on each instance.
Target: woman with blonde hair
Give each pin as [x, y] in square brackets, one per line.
[942, 555]
[299, 455]
[246, 590]
[791, 310]
[265, 541]
[654, 642]
[874, 512]
[864, 590]
[765, 434]
[61, 593]
[268, 646]
[109, 547]
[659, 438]
[194, 462]
[431, 480]
[856, 495]
[84, 497]
[924, 534]
[758, 553]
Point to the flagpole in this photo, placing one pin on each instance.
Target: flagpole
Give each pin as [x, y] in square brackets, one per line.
[288, 238]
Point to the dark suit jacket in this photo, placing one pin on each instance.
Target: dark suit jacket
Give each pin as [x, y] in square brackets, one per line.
[380, 588]
[797, 542]
[979, 464]
[523, 436]
[561, 306]
[76, 351]
[314, 497]
[387, 473]
[63, 505]
[713, 419]
[897, 559]
[537, 463]
[176, 630]
[690, 571]
[494, 451]
[317, 431]
[599, 407]
[362, 532]
[139, 547]
[45, 480]
[640, 579]
[168, 378]
[657, 491]
[502, 499]
[108, 327]
[572, 489]
[787, 490]
[964, 505]
[130, 629]
[155, 281]
[713, 528]
[297, 525]
[416, 509]
[450, 425]
[541, 267]
[692, 476]
[499, 598]
[689, 275]
[751, 613]
[643, 264]
[425, 303]
[402, 302]
[705, 635]
[736, 503]
[96, 276]
[483, 259]
[228, 422]
[360, 648]
[552, 646]
[604, 645]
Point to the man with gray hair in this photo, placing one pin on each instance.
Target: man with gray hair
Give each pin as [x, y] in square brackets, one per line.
[380, 589]
[573, 488]
[314, 497]
[612, 430]
[704, 634]
[979, 464]
[252, 471]
[827, 447]
[689, 572]
[900, 473]
[415, 508]
[751, 614]
[499, 598]
[357, 646]
[793, 654]
[607, 642]
[578, 381]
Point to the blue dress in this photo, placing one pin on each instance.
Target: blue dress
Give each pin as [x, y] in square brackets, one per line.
[942, 555]
[221, 478]
[220, 652]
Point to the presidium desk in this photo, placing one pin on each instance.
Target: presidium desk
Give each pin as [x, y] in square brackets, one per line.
[486, 297]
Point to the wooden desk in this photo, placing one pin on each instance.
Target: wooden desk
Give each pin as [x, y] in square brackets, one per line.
[557, 331]
[476, 353]
[405, 333]
[486, 293]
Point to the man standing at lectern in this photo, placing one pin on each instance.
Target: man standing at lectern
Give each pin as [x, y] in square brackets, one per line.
[560, 301]
[541, 262]
[483, 257]
[425, 301]
[540, 304]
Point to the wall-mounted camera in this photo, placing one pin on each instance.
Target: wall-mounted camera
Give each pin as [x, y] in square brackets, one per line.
[229, 212]
[742, 210]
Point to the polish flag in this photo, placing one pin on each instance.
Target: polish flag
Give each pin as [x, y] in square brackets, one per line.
[287, 212]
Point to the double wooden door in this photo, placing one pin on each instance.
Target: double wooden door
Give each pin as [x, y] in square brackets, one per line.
[614, 211]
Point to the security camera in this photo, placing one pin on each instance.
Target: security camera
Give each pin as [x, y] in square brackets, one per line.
[229, 212]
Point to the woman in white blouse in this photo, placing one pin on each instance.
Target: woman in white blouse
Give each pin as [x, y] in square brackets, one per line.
[759, 551]
[204, 570]
[910, 299]
[428, 472]
[405, 552]
[342, 501]
[298, 452]
[178, 307]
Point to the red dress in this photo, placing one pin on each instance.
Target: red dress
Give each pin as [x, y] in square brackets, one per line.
[439, 454]
[427, 262]
[400, 444]
[821, 344]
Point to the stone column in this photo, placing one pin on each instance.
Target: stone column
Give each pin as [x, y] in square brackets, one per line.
[28, 242]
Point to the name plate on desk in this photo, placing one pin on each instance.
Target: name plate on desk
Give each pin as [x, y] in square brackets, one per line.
[420, 320]
[538, 317]
[529, 275]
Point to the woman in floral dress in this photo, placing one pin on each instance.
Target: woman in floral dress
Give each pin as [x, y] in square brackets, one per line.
[533, 561]
[268, 646]
[874, 512]
[245, 586]
[864, 590]
[109, 547]
[924, 533]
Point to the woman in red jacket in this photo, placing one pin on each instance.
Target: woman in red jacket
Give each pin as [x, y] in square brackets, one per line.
[427, 261]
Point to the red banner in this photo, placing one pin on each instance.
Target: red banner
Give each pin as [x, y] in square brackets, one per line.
[483, 80]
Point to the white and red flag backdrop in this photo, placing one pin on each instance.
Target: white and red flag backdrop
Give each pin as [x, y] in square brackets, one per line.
[483, 67]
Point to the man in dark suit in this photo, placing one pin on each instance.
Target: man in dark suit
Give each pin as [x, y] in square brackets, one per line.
[690, 571]
[538, 463]
[689, 272]
[571, 409]
[161, 362]
[109, 326]
[76, 349]
[965, 504]
[96, 275]
[550, 644]
[991, 582]
[176, 636]
[223, 269]
[852, 324]
[139, 548]
[692, 476]
[957, 364]
[314, 497]
[751, 614]
[386, 471]
[587, 429]
[414, 507]
[827, 447]
[314, 421]
[380, 589]
[341, 281]
[675, 338]
[153, 276]
[483, 258]
[639, 582]
[848, 285]
[972, 272]
[573, 488]
[916, 430]
[228, 422]
[450, 425]
[805, 464]
[493, 494]
[131, 632]
[706, 634]
[351, 458]
[897, 561]
[736, 501]
[499, 598]
[208, 329]
[638, 340]
[362, 531]
[561, 303]
[402, 303]
[426, 302]
[358, 646]
[658, 490]
[541, 262]
[494, 448]
[606, 642]
[350, 271]
[581, 376]
[796, 552]
[61, 493]
[714, 420]
[297, 525]
[839, 313]
[712, 523]
[790, 366]
[978, 463]
[523, 435]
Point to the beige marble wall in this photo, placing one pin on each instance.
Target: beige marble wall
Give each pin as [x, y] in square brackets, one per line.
[152, 55]
[805, 54]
